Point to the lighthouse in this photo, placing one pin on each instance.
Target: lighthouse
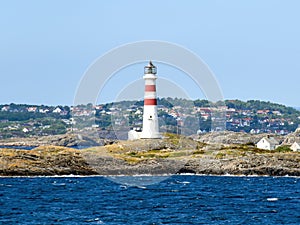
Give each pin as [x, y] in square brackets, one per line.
[150, 117]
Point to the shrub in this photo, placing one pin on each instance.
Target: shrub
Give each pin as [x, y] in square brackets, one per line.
[283, 148]
[250, 143]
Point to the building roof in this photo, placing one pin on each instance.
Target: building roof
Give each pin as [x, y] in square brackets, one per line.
[271, 140]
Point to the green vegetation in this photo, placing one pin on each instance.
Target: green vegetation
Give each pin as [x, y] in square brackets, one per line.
[41, 126]
[283, 148]
[260, 105]
[176, 115]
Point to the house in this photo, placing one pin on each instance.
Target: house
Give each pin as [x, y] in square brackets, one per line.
[254, 131]
[43, 110]
[138, 112]
[278, 113]
[5, 108]
[25, 130]
[265, 112]
[31, 109]
[57, 110]
[268, 143]
[98, 107]
[295, 146]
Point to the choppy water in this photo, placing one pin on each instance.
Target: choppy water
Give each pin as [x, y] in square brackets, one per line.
[176, 200]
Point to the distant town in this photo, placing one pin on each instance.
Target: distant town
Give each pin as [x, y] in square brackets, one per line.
[175, 116]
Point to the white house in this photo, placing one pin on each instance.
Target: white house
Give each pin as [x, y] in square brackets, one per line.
[5, 108]
[295, 146]
[31, 109]
[25, 130]
[43, 110]
[268, 143]
[57, 110]
[138, 112]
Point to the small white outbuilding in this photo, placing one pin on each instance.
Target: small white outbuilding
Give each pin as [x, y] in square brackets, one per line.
[295, 146]
[268, 143]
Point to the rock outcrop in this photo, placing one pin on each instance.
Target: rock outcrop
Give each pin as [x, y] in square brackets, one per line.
[156, 157]
[230, 137]
[292, 137]
[66, 140]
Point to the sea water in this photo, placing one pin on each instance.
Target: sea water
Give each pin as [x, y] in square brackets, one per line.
[175, 200]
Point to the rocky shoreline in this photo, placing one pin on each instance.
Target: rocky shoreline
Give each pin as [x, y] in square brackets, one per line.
[152, 157]
[66, 140]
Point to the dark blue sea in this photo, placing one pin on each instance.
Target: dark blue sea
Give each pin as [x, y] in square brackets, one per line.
[175, 200]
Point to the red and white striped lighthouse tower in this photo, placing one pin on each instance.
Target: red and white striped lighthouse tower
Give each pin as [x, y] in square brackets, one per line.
[150, 117]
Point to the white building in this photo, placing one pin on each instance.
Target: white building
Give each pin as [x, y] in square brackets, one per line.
[268, 143]
[25, 130]
[295, 146]
[134, 135]
[5, 108]
[150, 117]
[31, 109]
[43, 110]
[57, 110]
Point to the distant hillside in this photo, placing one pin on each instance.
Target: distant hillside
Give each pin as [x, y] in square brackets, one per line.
[175, 114]
[254, 105]
[246, 116]
[260, 105]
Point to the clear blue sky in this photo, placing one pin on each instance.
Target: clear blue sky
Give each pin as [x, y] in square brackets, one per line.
[253, 47]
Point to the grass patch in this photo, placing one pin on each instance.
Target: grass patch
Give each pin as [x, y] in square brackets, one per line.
[230, 153]
[135, 157]
[171, 136]
[283, 148]
[113, 148]
[128, 159]
[220, 155]
[245, 148]
[178, 154]
[149, 154]
[199, 152]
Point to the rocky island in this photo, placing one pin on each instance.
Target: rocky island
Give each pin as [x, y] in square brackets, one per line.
[47, 131]
[172, 155]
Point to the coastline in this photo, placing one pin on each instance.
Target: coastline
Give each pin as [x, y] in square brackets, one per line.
[149, 158]
[149, 175]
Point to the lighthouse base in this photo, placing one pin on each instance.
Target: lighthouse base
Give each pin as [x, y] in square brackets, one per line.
[147, 135]
[134, 135]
